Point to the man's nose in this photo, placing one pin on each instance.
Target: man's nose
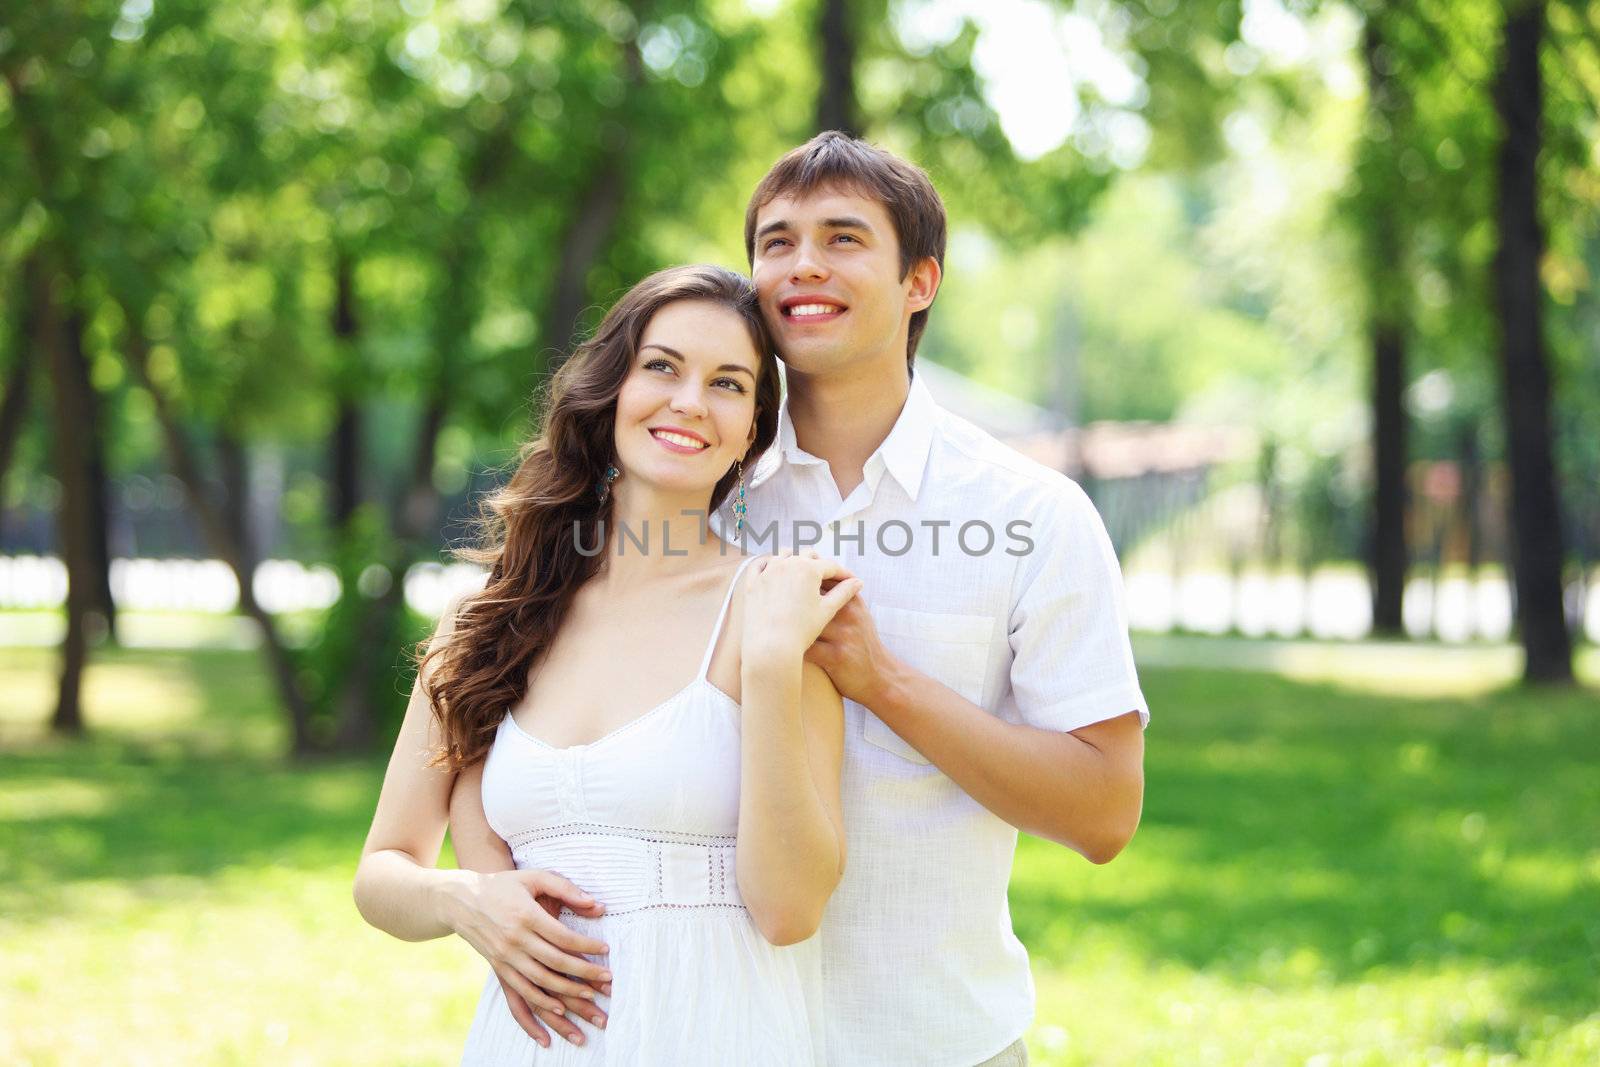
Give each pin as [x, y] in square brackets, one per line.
[808, 265]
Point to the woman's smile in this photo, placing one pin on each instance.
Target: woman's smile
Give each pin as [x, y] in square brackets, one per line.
[679, 441]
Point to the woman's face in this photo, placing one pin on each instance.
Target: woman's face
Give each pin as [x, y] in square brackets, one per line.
[687, 407]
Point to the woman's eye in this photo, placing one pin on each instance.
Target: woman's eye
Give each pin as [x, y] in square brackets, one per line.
[654, 363]
[737, 387]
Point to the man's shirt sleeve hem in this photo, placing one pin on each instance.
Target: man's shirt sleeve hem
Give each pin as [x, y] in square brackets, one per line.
[1087, 709]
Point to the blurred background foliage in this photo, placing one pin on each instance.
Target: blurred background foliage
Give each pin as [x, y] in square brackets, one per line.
[1301, 291]
[312, 260]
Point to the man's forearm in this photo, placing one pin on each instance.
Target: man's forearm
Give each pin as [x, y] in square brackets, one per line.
[477, 846]
[1068, 788]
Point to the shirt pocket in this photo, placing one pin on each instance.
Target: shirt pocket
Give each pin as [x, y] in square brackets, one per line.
[951, 649]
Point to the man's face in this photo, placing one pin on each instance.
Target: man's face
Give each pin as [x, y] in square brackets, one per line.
[827, 269]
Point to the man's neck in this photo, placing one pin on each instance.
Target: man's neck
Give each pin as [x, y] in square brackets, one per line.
[843, 418]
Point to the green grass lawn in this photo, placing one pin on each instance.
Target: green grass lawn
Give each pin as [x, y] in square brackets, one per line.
[1328, 872]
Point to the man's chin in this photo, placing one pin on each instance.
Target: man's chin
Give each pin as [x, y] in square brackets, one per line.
[808, 357]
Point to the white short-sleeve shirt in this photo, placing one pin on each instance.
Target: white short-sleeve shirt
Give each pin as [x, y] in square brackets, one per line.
[994, 575]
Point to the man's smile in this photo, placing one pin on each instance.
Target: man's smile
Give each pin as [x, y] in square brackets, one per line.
[810, 309]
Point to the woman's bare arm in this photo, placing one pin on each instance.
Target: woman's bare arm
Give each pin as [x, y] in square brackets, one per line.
[791, 845]
[400, 890]
[791, 828]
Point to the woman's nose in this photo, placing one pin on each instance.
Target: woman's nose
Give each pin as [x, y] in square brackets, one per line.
[689, 398]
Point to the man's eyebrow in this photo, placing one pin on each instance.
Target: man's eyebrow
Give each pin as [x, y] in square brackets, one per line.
[847, 222]
[772, 227]
[674, 352]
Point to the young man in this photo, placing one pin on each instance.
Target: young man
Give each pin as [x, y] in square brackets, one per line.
[988, 678]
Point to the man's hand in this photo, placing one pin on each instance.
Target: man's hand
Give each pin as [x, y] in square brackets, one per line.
[534, 1020]
[801, 589]
[850, 650]
[531, 952]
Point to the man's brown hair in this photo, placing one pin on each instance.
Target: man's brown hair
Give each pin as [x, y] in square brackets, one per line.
[837, 160]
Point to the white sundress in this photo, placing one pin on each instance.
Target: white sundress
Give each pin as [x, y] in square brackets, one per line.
[645, 820]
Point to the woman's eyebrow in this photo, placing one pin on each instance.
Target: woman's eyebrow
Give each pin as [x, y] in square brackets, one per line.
[674, 352]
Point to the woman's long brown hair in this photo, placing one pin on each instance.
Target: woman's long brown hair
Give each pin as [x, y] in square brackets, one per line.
[531, 529]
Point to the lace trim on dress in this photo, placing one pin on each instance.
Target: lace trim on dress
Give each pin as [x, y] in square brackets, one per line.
[659, 837]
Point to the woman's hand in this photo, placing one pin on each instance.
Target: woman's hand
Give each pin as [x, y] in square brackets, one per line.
[785, 605]
[530, 951]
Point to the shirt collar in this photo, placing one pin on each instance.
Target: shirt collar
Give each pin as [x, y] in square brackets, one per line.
[904, 453]
[905, 450]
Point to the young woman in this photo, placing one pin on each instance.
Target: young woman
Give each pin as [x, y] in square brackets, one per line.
[656, 756]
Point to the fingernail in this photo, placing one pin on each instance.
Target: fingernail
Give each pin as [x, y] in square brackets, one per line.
[605, 976]
[587, 994]
[600, 1021]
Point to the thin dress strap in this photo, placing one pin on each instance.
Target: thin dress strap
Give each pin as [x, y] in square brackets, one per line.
[716, 631]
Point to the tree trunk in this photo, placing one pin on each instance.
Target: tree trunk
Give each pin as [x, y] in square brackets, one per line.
[1535, 518]
[233, 462]
[103, 613]
[836, 99]
[72, 467]
[355, 718]
[1389, 549]
[1470, 503]
[346, 473]
[19, 377]
[586, 238]
[414, 510]
[590, 227]
[1388, 312]
[186, 466]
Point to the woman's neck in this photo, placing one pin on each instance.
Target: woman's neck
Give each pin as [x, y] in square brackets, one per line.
[653, 534]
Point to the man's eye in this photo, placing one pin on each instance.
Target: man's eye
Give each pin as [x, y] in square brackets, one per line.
[773, 243]
[846, 237]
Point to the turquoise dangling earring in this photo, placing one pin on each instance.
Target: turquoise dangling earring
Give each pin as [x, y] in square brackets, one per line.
[740, 508]
[602, 488]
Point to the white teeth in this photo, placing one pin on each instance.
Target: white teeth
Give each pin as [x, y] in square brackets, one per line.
[812, 309]
[679, 439]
